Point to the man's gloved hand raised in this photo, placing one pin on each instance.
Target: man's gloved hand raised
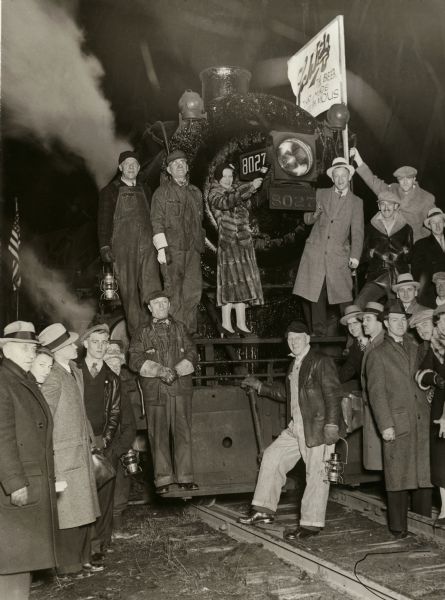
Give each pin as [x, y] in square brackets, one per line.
[164, 256]
[251, 382]
[106, 254]
[331, 435]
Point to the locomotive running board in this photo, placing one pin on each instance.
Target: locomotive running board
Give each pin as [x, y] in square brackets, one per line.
[224, 519]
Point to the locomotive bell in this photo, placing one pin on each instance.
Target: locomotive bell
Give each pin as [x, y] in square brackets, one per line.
[191, 106]
[108, 284]
[335, 467]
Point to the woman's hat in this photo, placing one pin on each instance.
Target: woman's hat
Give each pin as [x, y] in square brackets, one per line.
[351, 312]
[56, 336]
[336, 164]
[403, 280]
[20, 332]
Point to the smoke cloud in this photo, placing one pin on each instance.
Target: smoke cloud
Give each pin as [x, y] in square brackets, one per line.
[49, 292]
[52, 88]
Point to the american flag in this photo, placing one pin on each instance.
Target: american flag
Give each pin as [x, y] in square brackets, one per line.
[14, 248]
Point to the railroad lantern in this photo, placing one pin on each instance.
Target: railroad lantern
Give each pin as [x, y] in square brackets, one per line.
[335, 467]
[108, 284]
[292, 156]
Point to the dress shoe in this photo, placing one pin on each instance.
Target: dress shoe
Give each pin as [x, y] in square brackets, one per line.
[300, 533]
[256, 517]
[90, 568]
[399, 535]
[162, 489]
[188, 486]
[97, 557]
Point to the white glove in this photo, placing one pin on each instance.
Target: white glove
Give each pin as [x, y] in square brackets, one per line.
[353, 263]
[162, 259]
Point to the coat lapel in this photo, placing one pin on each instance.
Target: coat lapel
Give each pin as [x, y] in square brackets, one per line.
[304, 370]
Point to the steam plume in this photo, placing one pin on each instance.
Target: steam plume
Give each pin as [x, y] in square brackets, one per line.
[51, 88]
[51, 295]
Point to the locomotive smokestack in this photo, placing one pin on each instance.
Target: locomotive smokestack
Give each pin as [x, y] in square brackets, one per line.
[223, 81]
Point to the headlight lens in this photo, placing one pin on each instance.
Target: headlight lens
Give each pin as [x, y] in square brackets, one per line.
[295, 157]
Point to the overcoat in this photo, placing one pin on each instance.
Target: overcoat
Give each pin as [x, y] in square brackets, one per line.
[372, 441]
[428, 258]
[26, 459]
[414, 205]
[78, 504]
[319, 397]
[397, 402]
[336, 236]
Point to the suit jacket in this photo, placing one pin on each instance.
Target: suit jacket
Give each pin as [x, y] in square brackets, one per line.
[336, 236]
[78, 504]
[319, 397]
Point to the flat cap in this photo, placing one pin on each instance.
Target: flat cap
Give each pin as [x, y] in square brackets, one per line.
[157, 294]
[405, 172]
[297, 327]
[128, 154]
[439, 276]
[175, 155]
[99, 328]
[388, 196]
[420, 317]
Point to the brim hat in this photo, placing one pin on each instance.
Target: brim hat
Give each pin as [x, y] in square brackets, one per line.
[403, 280]
[405, 172]
[420, 317]
[388, 196]
[337, 163]
[56, 336]
[19, 332]
[175, 155]
[297, 327]
[438, 276]
[373, 308]
[433, 212]
[157, 294]
[351, 312]
[128, 154]
[395, 308]
[101, 328]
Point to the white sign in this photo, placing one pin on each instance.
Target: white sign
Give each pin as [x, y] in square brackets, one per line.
[317, 72]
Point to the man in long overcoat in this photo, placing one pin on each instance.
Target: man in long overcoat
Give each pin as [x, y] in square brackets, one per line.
[401, 412]
[28, 516]
[415, 202]
[78, 505]
[332, 249]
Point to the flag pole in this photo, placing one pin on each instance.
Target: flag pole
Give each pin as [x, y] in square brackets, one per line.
[344, 86]
[14, 249]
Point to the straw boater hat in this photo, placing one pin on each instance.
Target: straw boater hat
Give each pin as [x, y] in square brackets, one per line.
[336, 164]
[56, 336]
[19, 332]
[351, 312]
[433, 212]
[403, 280]
[420, 317]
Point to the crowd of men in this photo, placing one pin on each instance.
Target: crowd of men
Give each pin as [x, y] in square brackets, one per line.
[64, 412]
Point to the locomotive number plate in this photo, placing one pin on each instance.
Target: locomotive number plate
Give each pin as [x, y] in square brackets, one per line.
[251, 163]
[292, 198]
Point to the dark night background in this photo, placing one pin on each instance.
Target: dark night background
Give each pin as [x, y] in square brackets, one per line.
[152, 50]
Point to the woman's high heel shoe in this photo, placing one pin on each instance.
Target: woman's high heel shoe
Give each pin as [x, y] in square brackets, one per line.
[225, 333]
[243, 333]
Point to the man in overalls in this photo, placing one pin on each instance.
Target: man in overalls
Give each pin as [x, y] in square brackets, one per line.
[125, 238]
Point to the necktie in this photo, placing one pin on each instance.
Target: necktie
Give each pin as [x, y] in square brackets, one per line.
[94, 370]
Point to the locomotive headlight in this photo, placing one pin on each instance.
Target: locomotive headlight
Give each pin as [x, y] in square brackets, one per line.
[292, 156]
[295, 157]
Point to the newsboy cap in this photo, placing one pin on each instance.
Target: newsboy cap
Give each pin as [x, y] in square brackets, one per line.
[128, 154]
[100, 328]
[175, 155]
[405, 172]
[439, 276]
[421, 316]
[388, 196]
[157, 294]
[297, 327]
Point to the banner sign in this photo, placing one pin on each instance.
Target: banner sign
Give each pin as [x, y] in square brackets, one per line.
[317, 72]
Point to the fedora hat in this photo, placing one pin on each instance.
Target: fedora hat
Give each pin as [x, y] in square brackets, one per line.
[56, 336]
[19, 332]
[337, 163]
[405, 279]
[433, 212]
[352, 311]
[373, 308]
[395, 308]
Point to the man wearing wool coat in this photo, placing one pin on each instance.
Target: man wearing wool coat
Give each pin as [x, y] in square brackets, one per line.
[332, 249]
[401, 412]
